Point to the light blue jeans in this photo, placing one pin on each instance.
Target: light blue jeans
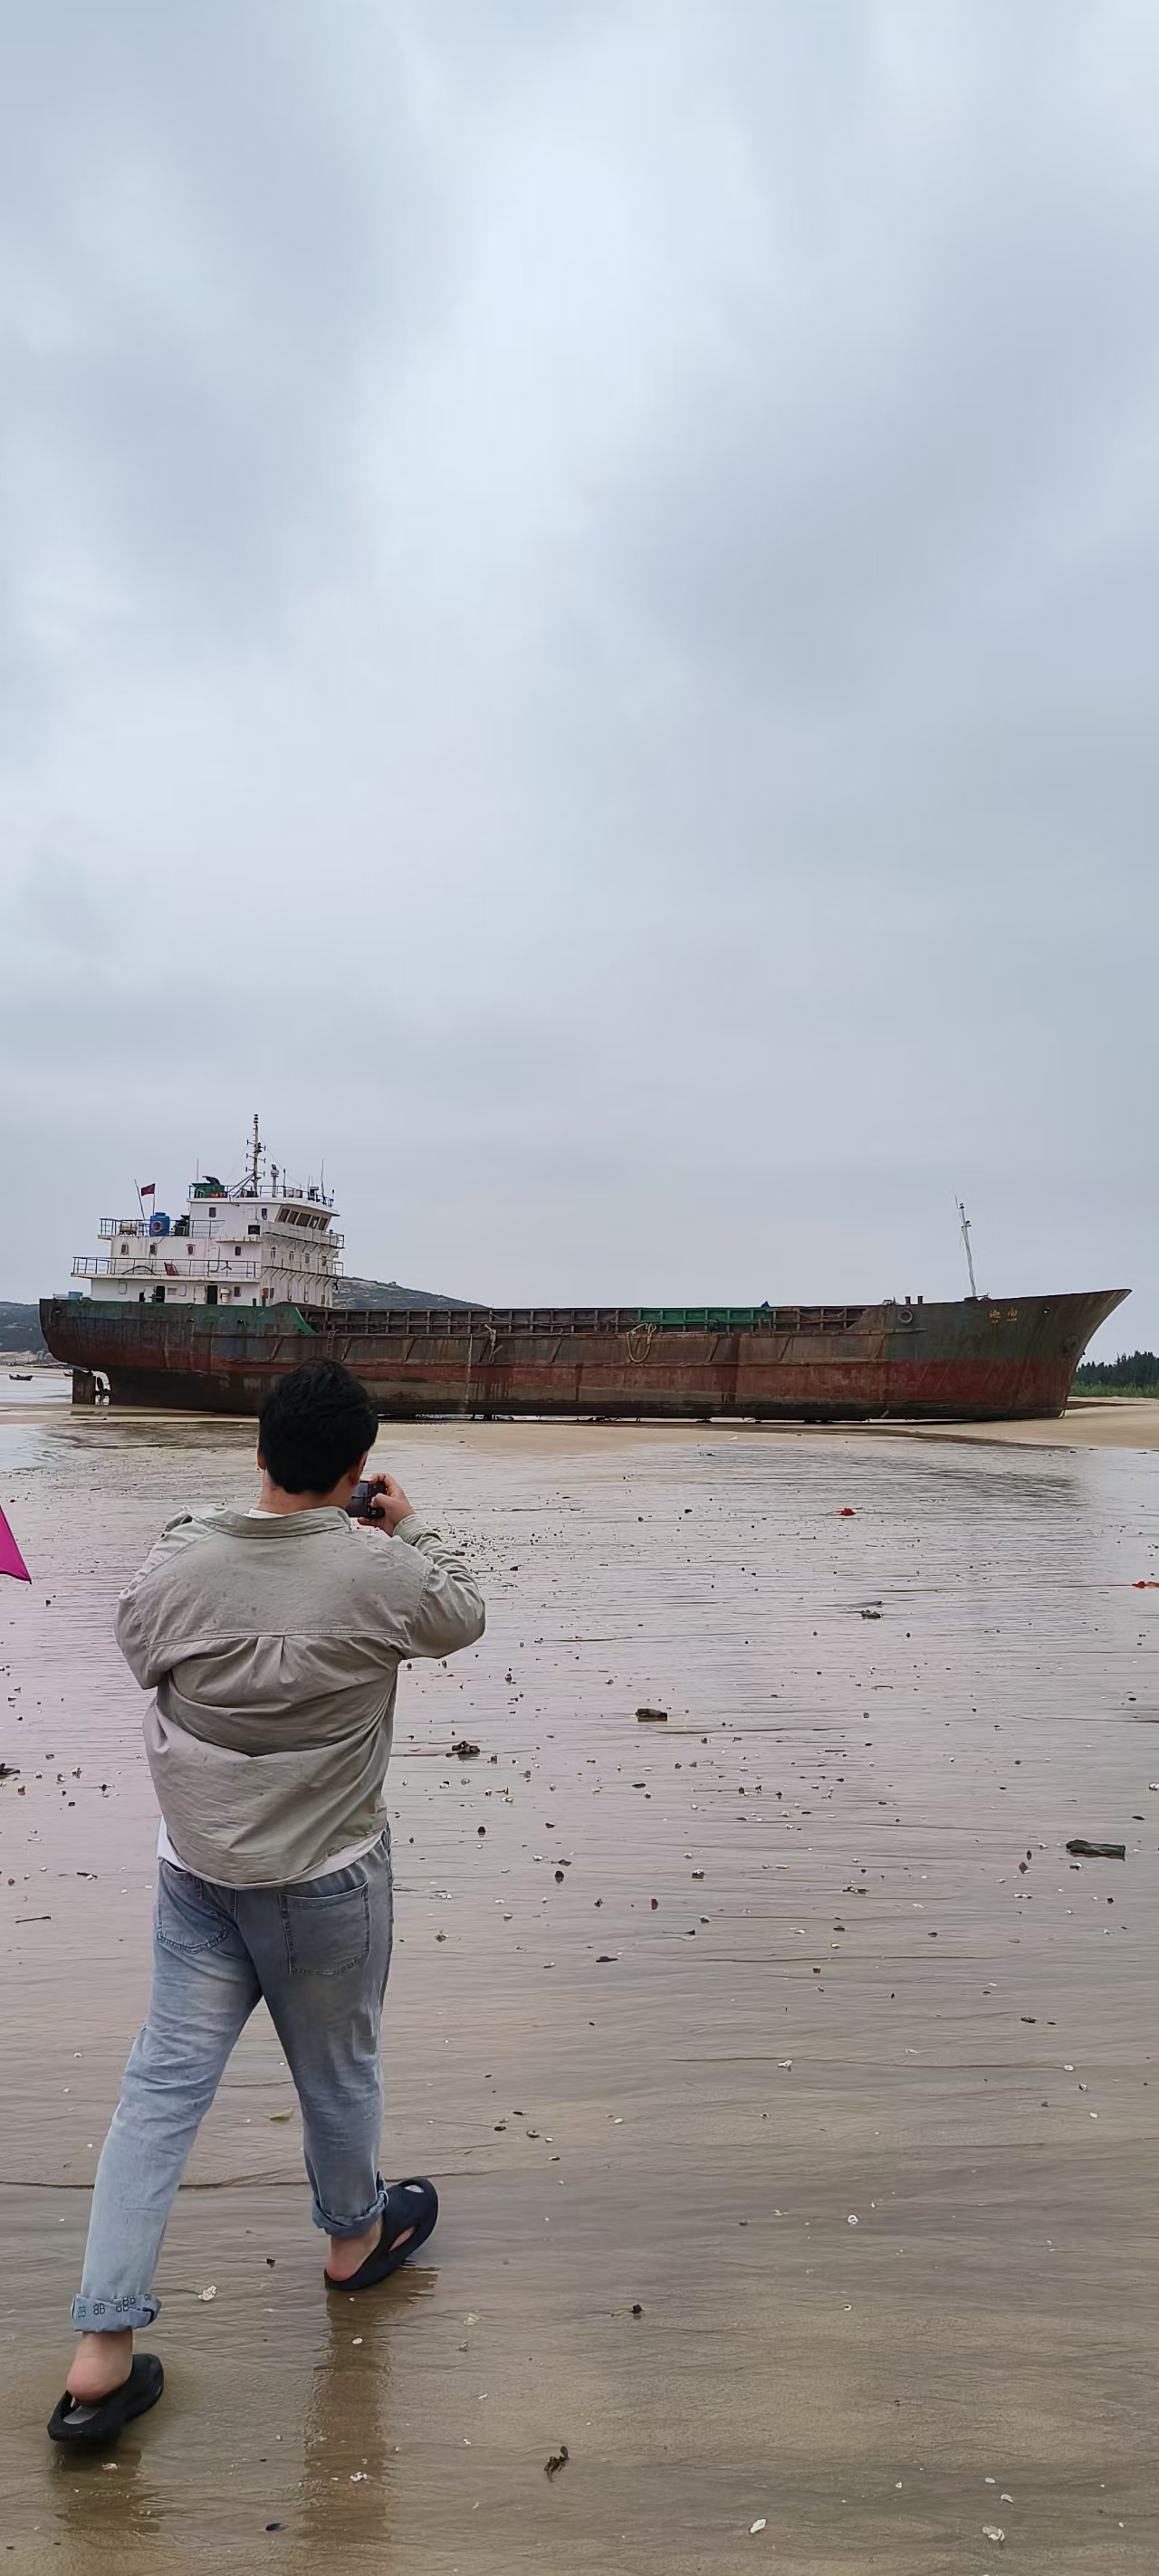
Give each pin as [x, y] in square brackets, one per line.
[318, 1953]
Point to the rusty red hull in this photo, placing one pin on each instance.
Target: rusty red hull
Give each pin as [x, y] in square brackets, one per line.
[978, 1359]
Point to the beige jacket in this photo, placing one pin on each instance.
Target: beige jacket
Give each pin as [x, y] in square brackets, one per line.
[273, 1646]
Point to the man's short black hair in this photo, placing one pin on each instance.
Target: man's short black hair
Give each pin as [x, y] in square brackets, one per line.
[314, 1426]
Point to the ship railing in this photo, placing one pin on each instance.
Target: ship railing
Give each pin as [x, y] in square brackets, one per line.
[225, 1267]
[203, 1229]
[206, 1229]
[111, 1226]
[437, 1322]
[125, 1267]
[440, 1320]
[311, 1196]
[294, 1244]
[197, 1226]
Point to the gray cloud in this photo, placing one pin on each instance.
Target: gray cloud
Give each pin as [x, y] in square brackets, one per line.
[577, 619]
[202, 239]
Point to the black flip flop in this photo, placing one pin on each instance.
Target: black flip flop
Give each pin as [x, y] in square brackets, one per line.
[412, 2204]
[72, 2421]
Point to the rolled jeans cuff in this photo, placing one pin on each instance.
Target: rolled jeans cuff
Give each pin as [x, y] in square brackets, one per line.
[350, 2226]
[114, 2316]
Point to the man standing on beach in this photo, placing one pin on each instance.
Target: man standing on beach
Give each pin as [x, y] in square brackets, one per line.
[272, 1639]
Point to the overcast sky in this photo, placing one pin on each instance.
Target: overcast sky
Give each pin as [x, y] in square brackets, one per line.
[578, 618]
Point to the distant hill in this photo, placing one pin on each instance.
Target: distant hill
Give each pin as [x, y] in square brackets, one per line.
[20, 1330]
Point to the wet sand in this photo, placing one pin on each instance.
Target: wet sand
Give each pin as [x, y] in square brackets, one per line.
[637, 2085]
[1090, 1422]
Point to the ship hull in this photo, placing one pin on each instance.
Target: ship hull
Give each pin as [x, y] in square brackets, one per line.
[976, 1360]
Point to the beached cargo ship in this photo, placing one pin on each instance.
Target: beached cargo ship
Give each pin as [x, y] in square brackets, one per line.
[202, 1314]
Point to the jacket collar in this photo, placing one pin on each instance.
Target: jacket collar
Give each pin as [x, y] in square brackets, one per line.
[231, 1524]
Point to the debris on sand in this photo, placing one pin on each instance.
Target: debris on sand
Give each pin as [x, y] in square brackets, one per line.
[651, 1717]
[559, 2460]
[1096, 1851]
[466, 1752]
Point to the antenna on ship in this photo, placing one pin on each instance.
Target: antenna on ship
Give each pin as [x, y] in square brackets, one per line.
[257, 1150]
[965, 1233]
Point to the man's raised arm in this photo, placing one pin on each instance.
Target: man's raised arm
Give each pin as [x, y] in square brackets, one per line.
[450, 1612]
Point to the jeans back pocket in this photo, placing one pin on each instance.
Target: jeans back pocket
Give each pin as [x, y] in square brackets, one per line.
[187, 1917]
[326, 1935]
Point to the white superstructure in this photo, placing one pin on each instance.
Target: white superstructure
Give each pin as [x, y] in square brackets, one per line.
[262, 1243]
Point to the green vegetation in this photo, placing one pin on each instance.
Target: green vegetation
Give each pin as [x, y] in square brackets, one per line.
[1134, 1373]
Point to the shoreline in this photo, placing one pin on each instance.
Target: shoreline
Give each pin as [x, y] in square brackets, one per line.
[1089, 1422]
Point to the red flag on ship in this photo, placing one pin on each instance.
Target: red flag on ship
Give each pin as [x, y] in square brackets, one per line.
[148, 1190]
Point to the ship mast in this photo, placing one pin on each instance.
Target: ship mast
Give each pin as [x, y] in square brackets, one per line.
[257, 1149]
[965, 1233]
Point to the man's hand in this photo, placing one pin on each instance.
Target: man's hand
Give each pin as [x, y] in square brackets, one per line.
[388, 1504]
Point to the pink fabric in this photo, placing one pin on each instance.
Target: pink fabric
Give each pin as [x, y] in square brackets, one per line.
[11, 1560]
